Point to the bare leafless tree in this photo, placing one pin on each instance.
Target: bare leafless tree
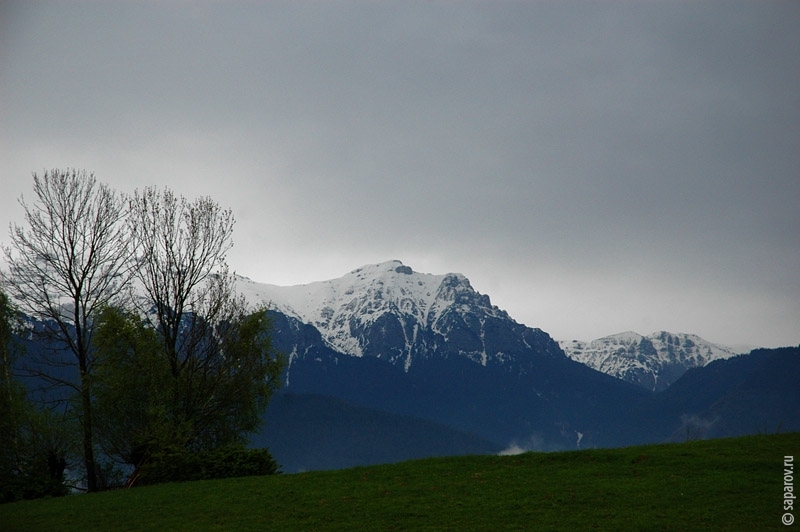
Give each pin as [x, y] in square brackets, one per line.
[180, 248]
[190, 299]
[70, 261]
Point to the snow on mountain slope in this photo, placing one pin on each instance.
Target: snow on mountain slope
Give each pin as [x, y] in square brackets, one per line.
[654, 361]
[344, 309]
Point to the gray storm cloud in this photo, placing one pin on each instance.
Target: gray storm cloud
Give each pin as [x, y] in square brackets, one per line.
[594, 167]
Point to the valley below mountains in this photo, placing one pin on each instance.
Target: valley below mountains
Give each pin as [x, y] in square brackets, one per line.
[388, 364]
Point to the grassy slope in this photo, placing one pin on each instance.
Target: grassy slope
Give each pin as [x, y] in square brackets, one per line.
[733, 484]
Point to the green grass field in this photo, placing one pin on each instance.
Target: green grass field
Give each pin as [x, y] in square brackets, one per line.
[732, 484]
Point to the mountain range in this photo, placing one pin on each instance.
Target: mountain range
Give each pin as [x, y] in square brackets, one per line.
[385, 361]
[387, 364]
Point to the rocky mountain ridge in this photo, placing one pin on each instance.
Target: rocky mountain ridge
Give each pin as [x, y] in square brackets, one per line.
[391, 312]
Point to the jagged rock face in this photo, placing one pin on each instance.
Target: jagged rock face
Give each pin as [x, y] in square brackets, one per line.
[653, 362]
[390, 312]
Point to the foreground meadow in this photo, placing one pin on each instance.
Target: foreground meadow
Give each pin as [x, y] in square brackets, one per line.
[731, 484]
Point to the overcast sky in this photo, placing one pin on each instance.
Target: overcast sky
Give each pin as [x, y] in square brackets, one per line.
[594, 167]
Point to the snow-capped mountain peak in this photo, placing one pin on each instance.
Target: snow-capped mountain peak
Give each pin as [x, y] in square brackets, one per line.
[390, 311]
[363, 295]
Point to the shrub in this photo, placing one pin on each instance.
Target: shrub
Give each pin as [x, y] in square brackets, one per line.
[224, 462]
[18, 487]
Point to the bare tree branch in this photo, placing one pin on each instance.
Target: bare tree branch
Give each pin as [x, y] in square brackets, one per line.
[72, 259]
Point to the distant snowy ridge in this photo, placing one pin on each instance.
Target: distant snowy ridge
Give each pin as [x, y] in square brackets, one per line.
[654, 361]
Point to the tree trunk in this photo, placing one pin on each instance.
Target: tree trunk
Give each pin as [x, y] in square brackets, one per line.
[88, 447]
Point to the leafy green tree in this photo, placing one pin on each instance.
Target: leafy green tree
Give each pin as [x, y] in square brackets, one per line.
[12, 397]
[220, 396]
[130, 388]
[11, 393]
[33, 445]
